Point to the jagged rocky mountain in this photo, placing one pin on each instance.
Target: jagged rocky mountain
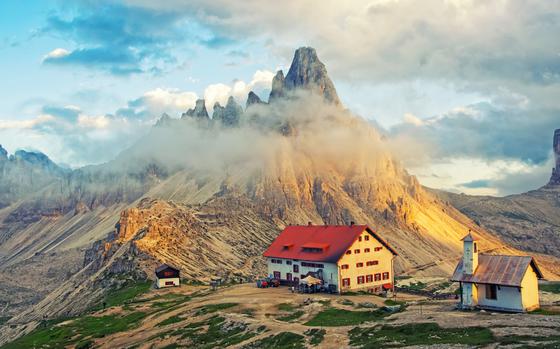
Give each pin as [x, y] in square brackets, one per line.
[208, 194]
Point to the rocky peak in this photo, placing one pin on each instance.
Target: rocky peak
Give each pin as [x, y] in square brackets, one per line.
[232, 113]
[164, 121]
[277, 90]
[252, 98]
[4, 153]
[199, 111]
[218, 113]
[555, 178]
[308, 72]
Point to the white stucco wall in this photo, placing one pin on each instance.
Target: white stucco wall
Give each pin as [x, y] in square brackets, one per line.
[160, 283]
[330, 271]
[508, 298]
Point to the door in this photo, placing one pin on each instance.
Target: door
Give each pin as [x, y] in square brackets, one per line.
[296, 268]
[277, 275]
[289, 276]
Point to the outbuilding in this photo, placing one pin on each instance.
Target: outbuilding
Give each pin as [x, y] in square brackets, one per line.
[167, 276]
[344, 257]
[496, 282]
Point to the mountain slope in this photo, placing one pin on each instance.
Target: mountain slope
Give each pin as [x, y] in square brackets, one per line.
[210, 196]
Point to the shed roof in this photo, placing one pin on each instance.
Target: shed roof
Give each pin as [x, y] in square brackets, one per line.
[498, 270]
[164, 267]
[332, 240]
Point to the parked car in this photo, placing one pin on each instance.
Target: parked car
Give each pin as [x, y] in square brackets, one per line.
[262, 283]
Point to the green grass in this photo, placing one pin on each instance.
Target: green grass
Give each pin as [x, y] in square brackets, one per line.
[285, 307]
[170, 320]
[315, 335]
[418, 334]
[55, 334]
[211, 333]
[125, 294]
[551, 287]
[342, 317]
[391, 302]
[212, 308]
[283, 340]
[291, 317]
[416, 286]
[542, 311]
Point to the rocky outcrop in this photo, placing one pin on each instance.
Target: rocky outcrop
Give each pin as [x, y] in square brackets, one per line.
[308, 72]
[218, 112]
[164, 121]
[555, 178]
[252, 98]
[3, 154]
[277, 89]
[228, 116]
[198, 112]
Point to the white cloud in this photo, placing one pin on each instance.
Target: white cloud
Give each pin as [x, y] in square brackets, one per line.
[412, 119]
[99, 122]
[171, 99]
[260, 83]
[25, 124]
[56, 53]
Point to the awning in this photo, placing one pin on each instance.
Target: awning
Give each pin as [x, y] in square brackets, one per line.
[310, 280]
[388, 286]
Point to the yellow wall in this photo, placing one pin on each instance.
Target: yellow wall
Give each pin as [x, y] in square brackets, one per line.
[161, 282]
[384, 256]
[530, 290]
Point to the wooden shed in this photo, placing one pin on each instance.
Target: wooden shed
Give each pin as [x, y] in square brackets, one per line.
[167, 276]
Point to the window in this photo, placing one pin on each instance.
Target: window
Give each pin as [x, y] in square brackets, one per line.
[296, 268]
[289, 276]
[360, 238]
[356, 251]
[366, 237]
[369, 278]
[360, 280]
[366, 250]
[312, 265]
[348, 252]
[475, 246]
[346, 282]
[386, 276]
[344, 266]
[378, 249]
[370, 263]
[491, 292]
[276, 261]
[168, 273]
[289, 262]
[312, 249]
[359, 265]
[377, 276]
[169, 283]
[276, 275]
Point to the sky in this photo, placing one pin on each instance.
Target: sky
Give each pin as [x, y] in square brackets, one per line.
[469, 87]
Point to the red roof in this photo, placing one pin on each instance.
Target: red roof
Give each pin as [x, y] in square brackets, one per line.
[332, 240]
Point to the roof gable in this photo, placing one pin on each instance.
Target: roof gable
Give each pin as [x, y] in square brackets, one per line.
[325, 243]
[498, 269]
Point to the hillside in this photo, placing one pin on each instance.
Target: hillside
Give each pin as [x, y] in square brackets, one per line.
[208, 194]
[529, 221]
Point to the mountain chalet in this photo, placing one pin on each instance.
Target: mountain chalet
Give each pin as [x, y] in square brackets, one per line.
[350, 257]
[496, 282]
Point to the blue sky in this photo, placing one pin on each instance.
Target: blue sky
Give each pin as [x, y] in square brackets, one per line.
[473, 85]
